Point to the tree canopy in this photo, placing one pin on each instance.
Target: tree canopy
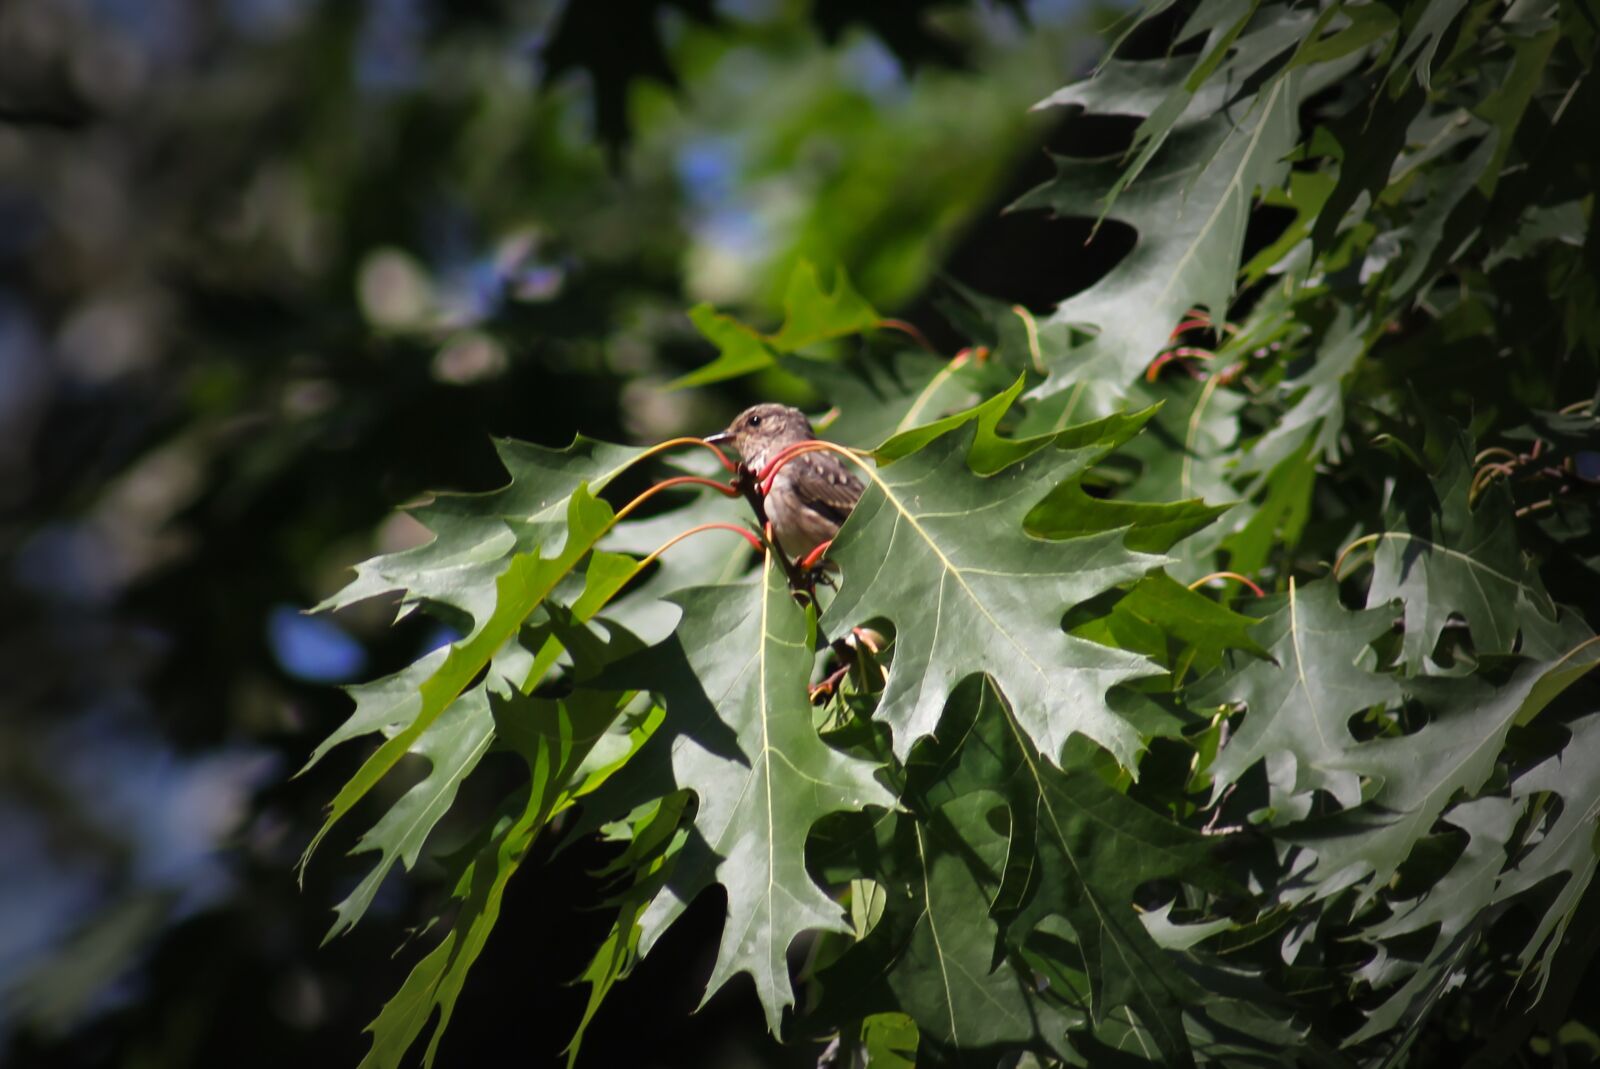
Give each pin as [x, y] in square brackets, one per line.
[1203, 676]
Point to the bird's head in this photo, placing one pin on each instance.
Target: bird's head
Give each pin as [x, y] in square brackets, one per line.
[761, 432]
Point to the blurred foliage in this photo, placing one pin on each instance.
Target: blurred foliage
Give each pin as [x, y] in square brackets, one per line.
[270, 267]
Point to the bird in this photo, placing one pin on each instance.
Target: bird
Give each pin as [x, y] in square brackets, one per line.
[811, 494]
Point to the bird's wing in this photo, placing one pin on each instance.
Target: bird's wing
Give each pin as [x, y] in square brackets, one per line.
[828, 487]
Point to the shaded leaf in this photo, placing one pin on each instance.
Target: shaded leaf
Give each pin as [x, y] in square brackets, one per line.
[1087, 848]
[1569, 850]
[1412, 778]
[932, 956]
[553, 738]
[1459, 904]
[1297, 709]
[1440, 556]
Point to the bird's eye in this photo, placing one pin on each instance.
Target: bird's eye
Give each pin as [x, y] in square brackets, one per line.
[755, 421]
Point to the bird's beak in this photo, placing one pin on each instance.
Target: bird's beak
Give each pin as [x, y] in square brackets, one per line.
[720, 438]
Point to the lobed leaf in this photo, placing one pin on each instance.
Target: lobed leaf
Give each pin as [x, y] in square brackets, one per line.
[811, 315]
[520, 588]
[1440, 557]
[932, 956]
[738, 734]
[553, 738]
[940, 552]
[1298, 705]
[1091, 847]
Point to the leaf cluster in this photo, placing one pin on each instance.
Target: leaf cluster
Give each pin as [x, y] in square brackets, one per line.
[1026, 775]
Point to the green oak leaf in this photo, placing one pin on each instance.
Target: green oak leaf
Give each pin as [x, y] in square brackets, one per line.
[944, 976]
[1439, 555]
[1356, 27]
[1185, 453]
[1366, 147]
[1087, 847]
[405, 706]
[1412, 778]
[1173, 625]
[1423, 38]
[1190, 209]
[1154, 527]
[875, 397]
[932, 956]
[654, 840]
[486, 561]
[941, 553]
[1298, 705]
[889, 1041]
[1313, 401]
[1224, 61]
[990, 452]
[706, 558]
[1568, 849]
[811, 315]
[1459, 904]
[554, 739]
[738, 733]
[1067, 511]
[475, 534]
[453, 745]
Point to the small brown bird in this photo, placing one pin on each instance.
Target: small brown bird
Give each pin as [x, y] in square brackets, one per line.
[811, 494]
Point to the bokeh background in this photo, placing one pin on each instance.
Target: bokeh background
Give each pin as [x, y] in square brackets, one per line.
[271, 268]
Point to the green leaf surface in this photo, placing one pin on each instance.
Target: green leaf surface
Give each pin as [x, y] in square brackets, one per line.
[874, 398]
[889, 1041]
[1090, 847]
[1440, 556]
[1190, 209]
[811, 315]
[1569, 850]
[453, 745]
[1363, 24]
[1459, 905]
[1187, 627]
[945, 978]
[519, 589]
[933, 954]
[1313, 400]
[940, 552]
[655, 841]
[1412, 778]
[553, 738]
[738, 733]
[475, 534]
[1298, 705]
[1186, 452]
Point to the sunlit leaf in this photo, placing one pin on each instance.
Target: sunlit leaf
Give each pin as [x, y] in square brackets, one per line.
[811, 315]
[940, 552]
[738, 733]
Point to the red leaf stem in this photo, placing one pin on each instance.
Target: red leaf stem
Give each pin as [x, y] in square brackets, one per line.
[1229, 575]
[748, 536]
